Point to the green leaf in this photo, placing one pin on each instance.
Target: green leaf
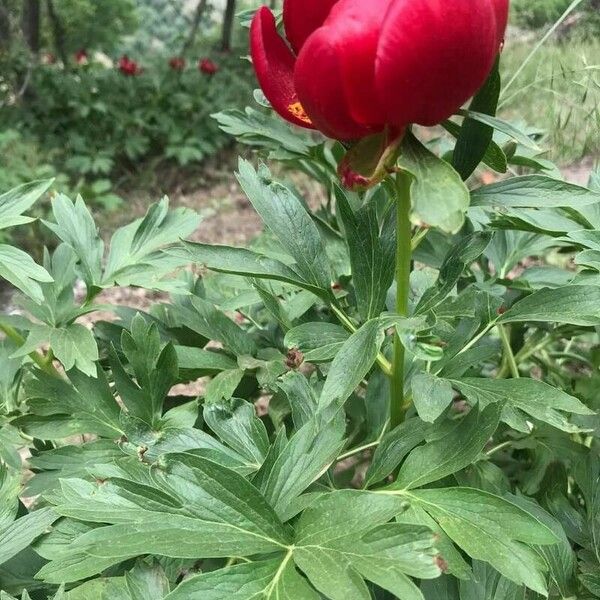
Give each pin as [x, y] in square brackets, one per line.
[271, 580]
[284, 215]
[16, 201]
[241, 261]
[113, 588]
[155, 368]
[552, 222]
[431, 395]
[533, 191]
[343, 535]
[337, 515]
[371, 254]
[455, 564]
[19, 268]
[236, 424]
[264, 129]
[135, 248]
[20, 533]
[10, 486]
[192, 508]
[490, 529]
[442, 588]
[456, 450]
[197, 362]
[392, 552]
[87, 400]
[332, 574]
[475, 137]
[394, 446]
[205, 318]
[494, 157]
[73, 345]
[353, 361]
[574, 304]
[536, 398]
[439, 196]
[591, 581]
[460, 257]
[304, 458]
[488, 584]
[223, 386]
[301, 397]
[68, 461]
[560, 557]
[500, 125]
[75, 227]
[147, 582]
[318, 342]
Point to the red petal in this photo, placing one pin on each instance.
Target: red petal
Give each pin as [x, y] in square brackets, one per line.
[274, 65]
[320, 85]
[501, 7]
[433, 55]
[302, 17]
[355, 28]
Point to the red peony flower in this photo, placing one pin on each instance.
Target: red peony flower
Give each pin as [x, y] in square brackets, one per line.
[352, 68]
[177, 63]
[129, 67]
[207, 66]
[81, 57]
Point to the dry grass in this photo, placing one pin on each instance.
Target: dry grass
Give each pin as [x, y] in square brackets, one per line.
[559, 92]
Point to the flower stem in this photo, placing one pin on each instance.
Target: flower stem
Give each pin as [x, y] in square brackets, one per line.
[398, 406]
[343, 318]
[509, 356]
[42, 361]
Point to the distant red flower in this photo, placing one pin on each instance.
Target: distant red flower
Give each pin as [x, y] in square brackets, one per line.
[207, 66]
[129, 67]
[81, 56]
[177, 63]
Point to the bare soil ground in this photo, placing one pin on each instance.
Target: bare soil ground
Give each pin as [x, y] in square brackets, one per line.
[228, 217]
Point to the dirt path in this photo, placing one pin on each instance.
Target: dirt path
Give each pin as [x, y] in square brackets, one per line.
[228, 219]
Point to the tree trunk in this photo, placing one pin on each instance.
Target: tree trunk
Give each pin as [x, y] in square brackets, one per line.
[228, 26]
[31, 25]
[198, 14]
[58, 33]
[5, 28]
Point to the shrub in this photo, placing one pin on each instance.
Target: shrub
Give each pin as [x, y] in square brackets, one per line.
[540, 14]
[395, 391]
[535, 14]
[158, 116]
[251, 487]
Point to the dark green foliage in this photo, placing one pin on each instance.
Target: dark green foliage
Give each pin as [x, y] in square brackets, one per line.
[159, 116]
[282, 478]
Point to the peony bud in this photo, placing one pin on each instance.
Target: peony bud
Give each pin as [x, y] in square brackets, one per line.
[352, 68]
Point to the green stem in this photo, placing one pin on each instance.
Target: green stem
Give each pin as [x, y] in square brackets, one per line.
[499, 447]
[508, 352]
[344, 319]
[399, 406]
[358, 450]
[419, 236]
[38, 358]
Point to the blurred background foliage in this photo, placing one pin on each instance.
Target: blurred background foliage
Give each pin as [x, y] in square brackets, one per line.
[66, 109]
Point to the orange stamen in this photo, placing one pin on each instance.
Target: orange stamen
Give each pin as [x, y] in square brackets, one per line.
[297, 110]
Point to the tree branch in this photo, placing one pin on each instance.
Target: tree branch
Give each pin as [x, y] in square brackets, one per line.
[58, 32]
[198, 14]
